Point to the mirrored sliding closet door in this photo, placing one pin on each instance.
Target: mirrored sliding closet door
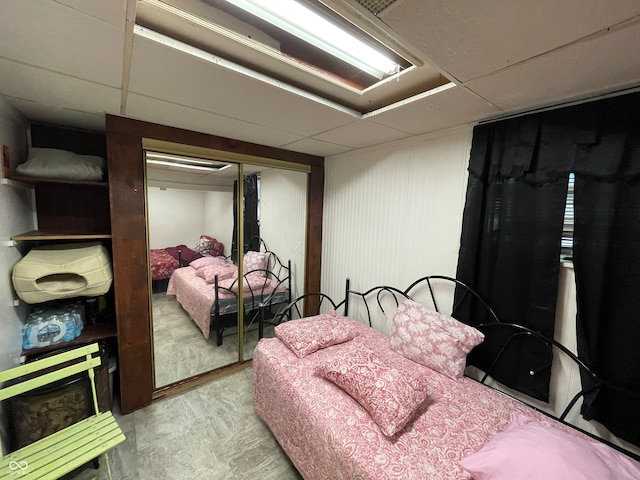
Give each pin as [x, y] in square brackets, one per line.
[279, 247]
[190, 217]
[198, 213]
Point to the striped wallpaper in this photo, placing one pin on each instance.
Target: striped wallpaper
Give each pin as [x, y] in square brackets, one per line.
[394, 214]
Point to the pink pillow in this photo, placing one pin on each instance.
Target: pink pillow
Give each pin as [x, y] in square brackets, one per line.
[255, 261]
[391, 394]
[529, 450]
[225, 273]
[206, 261]
[436, 341]
[310, 334]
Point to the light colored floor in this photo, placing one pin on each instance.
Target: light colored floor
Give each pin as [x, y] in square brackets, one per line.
[180, 349]
[208, 433]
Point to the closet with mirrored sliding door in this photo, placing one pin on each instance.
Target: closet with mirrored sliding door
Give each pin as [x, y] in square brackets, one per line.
[251, 199]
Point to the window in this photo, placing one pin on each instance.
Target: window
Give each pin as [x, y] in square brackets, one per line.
[566, 252]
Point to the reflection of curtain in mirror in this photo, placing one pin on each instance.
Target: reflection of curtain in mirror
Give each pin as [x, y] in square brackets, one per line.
[251, 225]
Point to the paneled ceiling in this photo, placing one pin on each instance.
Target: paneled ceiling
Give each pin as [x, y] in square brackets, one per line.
[69, 62]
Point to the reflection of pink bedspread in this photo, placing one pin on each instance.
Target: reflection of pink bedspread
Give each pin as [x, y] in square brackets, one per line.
[162, 263]
[197, 296]
[328, 435]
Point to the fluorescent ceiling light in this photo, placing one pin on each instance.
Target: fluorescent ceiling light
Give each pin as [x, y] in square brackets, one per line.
[307, 25]
[179, 161]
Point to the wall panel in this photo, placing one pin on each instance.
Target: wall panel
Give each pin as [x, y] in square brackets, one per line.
[394, 214]
[175, 217]
[218, 217]
[283, 212]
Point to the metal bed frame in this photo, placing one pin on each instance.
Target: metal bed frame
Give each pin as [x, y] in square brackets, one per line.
[373, 297]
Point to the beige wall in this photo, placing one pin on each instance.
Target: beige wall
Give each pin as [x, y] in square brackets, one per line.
[394, 214]
[179, 216]
[283, 212]
[218, 217]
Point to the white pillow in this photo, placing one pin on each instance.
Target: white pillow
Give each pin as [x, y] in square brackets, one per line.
[54, 163]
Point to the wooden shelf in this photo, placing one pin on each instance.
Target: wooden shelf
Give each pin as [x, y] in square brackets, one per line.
[15, 183]
[90, 333]
[40, 235]
[35, 180]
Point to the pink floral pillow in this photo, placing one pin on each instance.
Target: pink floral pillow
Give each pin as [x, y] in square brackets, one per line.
[528, 450]
[255, 261]
[310, 334]
[390, 393]
[209, 246]
[206, 261]
[225, 272]
[437, 341]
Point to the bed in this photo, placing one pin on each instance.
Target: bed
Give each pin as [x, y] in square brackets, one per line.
[164, 261]
[317, 387]
[208, 291]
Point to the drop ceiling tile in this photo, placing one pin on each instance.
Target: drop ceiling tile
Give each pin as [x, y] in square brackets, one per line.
[112, 11]
[583, 69]
[316, 147]
[61, 39]
[204, 84]
[59, 116]
[435, 111]
[468, 39]
[56, 90]
[179, 116]
[361, 133]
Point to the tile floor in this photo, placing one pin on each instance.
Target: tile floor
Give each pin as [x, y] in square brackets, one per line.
[180, 349]
[208, 433]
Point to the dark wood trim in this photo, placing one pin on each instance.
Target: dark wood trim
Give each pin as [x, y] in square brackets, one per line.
[128, 229]
[67, 181]
[313, 256]
[92, 332]
[137, 128]
[130, 271]
[40, 235]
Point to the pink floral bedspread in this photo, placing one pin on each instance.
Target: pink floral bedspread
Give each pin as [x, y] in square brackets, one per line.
[197, 296]
[328, 435]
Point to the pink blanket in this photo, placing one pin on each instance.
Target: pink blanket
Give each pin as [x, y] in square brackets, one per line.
[328, 435]
[197, 296]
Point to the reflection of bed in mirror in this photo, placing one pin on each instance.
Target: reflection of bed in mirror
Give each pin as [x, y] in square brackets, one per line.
[208, 291]
[185, 203]
[164, 261]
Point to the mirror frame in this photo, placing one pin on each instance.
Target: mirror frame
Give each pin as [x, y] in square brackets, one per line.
[126, 169]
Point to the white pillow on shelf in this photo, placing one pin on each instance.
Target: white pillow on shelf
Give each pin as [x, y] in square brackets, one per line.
[55, 163]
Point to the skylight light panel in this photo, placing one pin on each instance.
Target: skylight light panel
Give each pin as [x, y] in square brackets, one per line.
[304, 23]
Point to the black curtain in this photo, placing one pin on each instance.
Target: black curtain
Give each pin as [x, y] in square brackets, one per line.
[510, 246]
[251, 224]
[511, 240]
[607, 262]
